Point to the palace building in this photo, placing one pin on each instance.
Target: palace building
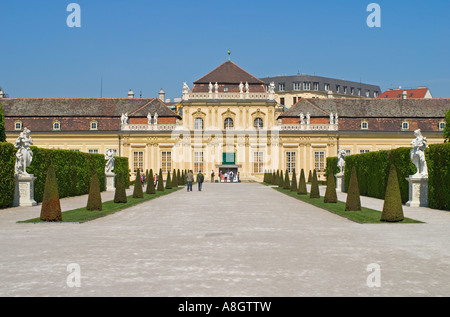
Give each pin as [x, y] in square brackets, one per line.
[227, 121]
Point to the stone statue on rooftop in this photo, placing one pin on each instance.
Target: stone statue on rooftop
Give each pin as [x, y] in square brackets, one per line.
[149, 118]
[24, 155]
[272, 88]
[185, 89]
[216, 87]
[211, 87]
[418, 154]
[308, 118]
[331, 118]
[124, 118]
[302, 118]
[241, 87]
[247, 87]
[155, 118]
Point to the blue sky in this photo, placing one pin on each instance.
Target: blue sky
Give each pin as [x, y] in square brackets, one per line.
[148, 45]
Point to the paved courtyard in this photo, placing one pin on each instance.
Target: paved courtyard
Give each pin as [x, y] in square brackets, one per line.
[228, 240]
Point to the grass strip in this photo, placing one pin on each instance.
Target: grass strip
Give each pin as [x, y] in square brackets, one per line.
[366, 215]
[82, 215]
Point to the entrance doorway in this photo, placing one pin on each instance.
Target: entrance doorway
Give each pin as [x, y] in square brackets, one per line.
[229, 173]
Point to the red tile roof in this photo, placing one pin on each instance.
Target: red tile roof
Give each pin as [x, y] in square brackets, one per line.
[418, 93]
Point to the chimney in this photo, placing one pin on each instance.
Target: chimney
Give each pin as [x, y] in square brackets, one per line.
[330, 94]
[130, 94]
[404, 95]
[2, 94]
[162, 94]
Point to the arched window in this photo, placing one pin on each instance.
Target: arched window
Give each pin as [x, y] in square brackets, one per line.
[364, 125]
[228, 123]
[56, 125]
[94, 125]
[405, 125]
[442, 125]
[258, 123]
[198, 124]
[18, 125]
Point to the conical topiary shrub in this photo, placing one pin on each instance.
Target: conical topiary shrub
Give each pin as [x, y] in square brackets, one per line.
[294, 182]
[269, 177]
[174, 179]
[150, 184]
[353, 198]
[392, 208]
[314, 193]
[51, 206]
[120, 196]
[330, 193]
[281, 180]
[277, 178]
[168, 181]
[94, 199]
[138, 192]
[310, 177]
[160, 181]
[302, 190]
[287, 182]
[180, 182]
[274, 178]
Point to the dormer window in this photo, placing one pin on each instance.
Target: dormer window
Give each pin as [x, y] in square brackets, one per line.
[56, 125]
[18, 125]
[405, 125]
[364, 125]
[93, 125]
[442, 125]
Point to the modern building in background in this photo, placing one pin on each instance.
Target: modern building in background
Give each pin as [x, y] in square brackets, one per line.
[289, 89]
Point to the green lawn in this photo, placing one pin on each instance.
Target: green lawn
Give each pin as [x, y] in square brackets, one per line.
[366, 215]
[81, 215]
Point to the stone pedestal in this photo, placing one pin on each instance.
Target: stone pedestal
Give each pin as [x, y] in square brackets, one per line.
[109, 179]
[340, 188]
[418, 191]
[24, 191]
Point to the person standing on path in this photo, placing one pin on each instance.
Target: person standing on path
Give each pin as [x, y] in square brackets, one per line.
[212, 176]
[200, 179]
[189, 180]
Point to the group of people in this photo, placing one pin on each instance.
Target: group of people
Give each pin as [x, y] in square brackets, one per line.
[225, 177]
[190, 180]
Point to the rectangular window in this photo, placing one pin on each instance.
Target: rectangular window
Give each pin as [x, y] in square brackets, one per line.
[306, 86]
[281, 87]
[319, 161]
[352, 91]
[348, 152]
[364, 151]
[166, 161]
[258, 162]
[327, 87]
[282, 101]
[359, 92]
[297, 86]
[138, 161]
[345, 90]
[198, 162]
[290, 161]
[338, 88]
[316, 86]
[295, 100]
[93, 151]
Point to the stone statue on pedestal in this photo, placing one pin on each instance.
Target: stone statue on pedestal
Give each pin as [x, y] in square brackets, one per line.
[109, 157]
[216, 87]
[124, 118]
[302, 118]
[210, 87]
[247, 87]
[24, 154]
[308, 118]
[241, 87]
[418, 154]
[185, 89]
[341, 160]
[149, 118]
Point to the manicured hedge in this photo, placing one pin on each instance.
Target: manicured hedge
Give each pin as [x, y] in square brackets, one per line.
[73, 171]
[438, 160]
[7, 180]
[121, 166]
[373, 169]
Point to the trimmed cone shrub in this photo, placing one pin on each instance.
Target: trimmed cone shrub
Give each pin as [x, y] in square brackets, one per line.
[330, 193]
[274, 178]
[315, 193]
[138, 192]
[392, 208]
[310, 177]
[281, 180]
[168, 181]
[174, 179]
[294, 182]
[353, 198]
[95, 199]
[150, 184]
[287, 182]
[120, 196]
[51, 206]
[269, 177]
[180, 182]
[277, 178]
[302, 190]
[160, 181]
